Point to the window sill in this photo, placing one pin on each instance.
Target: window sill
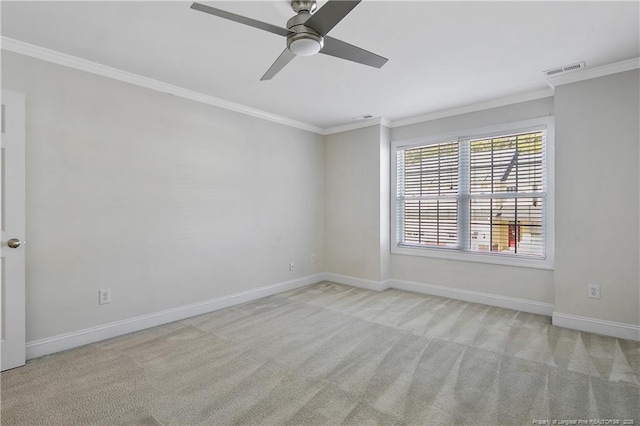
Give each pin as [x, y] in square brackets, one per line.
[453, 254]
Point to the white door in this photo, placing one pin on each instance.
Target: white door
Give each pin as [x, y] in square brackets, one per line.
[12, 220]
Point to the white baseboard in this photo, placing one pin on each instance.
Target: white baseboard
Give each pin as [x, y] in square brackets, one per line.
[49, 345]
[37, 348]
[475, 297]
[593, 325]
[355, 282]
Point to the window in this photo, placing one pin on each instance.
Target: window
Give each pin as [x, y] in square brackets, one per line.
[484, 196]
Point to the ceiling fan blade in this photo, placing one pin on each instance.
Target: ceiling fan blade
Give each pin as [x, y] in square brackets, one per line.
[240, 19]
[340, 49]
[285, 57]
[330, 14]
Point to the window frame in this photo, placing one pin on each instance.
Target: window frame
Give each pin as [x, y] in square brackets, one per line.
[456, 253]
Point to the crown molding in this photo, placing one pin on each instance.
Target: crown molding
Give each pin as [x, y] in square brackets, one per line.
[361, 124]
[589, 73]
[494, 103]
[70, 61]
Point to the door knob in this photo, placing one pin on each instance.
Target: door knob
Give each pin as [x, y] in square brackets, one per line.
[14, 243]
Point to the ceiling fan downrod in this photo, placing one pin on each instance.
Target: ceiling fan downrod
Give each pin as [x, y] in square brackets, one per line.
[308, 5]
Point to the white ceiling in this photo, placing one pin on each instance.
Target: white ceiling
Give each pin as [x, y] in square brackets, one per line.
[442, 55]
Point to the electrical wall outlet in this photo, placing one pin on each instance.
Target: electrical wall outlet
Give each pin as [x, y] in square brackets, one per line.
[594, 291]
[313, 258]
[104, 296]
[292, 266]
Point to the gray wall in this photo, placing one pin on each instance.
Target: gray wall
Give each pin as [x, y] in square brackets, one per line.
[523, 283]
[597, 191]
[352, 203]
[385, 203]
[597, 205]
[170, 202]
[163, 200]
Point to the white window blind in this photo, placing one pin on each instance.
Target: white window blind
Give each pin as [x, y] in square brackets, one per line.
[483, 194]
[428, 190]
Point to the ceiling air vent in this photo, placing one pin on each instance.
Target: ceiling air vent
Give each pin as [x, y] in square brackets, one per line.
[362, 117]
[567, 68]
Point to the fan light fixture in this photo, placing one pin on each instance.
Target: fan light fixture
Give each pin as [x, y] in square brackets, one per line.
[305, 46]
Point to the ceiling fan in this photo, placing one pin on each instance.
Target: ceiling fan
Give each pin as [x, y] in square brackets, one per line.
[306, 33]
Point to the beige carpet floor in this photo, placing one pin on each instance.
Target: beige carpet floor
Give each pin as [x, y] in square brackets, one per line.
[333, 354]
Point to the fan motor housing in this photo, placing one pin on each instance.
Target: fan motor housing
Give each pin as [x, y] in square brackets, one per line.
[303, 40]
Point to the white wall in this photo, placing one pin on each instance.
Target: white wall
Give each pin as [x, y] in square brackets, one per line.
[516, 282]
[597, 190]
[163, 200]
